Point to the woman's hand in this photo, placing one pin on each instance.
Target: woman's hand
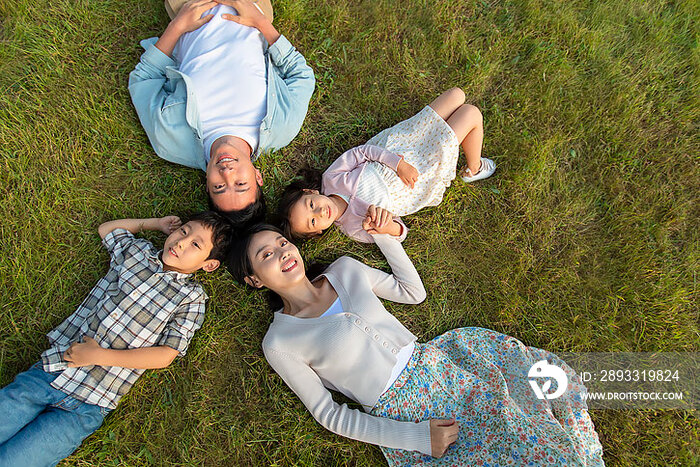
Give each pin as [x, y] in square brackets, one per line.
[82, 353]
[443, 433]
[169, 224]
[190, 17]
[407, 173]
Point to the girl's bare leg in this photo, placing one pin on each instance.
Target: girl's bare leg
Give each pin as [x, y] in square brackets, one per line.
[468, 124]
[447, 102]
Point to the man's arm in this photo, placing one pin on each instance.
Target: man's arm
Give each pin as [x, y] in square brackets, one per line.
[297, 75]
[166, 125]
[89, 352]
[251, 16]
[167, 225]
[188, 19]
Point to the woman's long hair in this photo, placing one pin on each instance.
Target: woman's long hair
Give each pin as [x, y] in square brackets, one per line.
[239, 264]
[238, 260]
[306, 179]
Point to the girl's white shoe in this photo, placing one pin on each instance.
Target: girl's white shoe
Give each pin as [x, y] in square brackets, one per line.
[488, 167]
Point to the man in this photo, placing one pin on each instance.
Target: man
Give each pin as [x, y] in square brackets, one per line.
[220, 87]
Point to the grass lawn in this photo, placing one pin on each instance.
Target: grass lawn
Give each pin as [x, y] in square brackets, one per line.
[586, 239]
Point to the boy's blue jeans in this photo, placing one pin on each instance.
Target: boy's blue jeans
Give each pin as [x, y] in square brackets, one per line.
[40, 425]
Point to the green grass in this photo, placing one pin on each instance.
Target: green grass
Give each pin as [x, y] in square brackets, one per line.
[585, 240]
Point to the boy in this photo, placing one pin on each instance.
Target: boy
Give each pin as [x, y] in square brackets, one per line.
[141, 315]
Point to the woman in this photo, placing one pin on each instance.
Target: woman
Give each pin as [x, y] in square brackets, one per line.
[398, 172]
[461, 399]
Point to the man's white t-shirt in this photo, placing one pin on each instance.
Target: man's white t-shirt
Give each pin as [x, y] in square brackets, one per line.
[225, 62]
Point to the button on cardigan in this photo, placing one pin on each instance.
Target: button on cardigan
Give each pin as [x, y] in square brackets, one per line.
[352, 352]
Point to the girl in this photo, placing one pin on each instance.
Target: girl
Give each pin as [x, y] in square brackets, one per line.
[398, 172]
[463, 397]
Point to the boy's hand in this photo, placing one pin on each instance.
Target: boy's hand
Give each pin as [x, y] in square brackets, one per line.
[169, 224]
[407, 173]
[380, 221]
[190, 18]
[82, 353]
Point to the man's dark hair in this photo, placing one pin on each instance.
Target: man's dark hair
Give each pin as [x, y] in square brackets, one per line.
[254, 213]
[221, 232]
[306, 179]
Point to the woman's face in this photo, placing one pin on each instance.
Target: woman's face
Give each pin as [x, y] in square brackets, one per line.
[312, 214]
[276, 262]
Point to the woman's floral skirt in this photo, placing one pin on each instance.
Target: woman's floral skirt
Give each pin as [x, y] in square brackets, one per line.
[480, 377]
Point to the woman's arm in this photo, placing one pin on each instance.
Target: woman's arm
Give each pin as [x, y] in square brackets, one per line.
[403, 285]
[342, 420]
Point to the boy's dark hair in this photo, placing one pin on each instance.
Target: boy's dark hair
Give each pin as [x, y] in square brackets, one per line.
[306, 179]
[254, 213]
[221, 232]
[240, 267]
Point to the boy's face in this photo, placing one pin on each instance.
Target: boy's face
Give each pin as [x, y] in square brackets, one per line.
[187, 249]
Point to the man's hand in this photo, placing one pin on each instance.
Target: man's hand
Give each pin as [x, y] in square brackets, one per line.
[249, 13]
[83, 353]
[190, 17]
[407, 173]
[443, 433]
[187, 19]
[169, 224]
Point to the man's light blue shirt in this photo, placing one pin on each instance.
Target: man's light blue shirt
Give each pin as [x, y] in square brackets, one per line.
[167, 107]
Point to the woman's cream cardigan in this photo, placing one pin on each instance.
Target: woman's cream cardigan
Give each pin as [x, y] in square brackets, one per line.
[352, 352]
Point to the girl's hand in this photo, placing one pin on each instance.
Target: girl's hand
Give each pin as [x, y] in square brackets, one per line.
[380, 221]
[249, 13]
[377, 216]
[190, 18]
[443, 433]
[82, 353]
[169, 224]
[407, 173]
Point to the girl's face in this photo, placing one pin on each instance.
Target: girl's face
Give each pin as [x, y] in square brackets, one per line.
[312, 214]
[276, 262]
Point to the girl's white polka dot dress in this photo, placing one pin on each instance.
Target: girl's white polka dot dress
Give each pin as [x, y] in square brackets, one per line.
[428, 143]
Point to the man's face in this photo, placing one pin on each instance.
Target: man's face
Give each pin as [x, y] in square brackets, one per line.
[232, 179]
[187, 249]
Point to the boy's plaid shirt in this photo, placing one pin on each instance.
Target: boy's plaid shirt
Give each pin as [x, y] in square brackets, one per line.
[137, 304]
